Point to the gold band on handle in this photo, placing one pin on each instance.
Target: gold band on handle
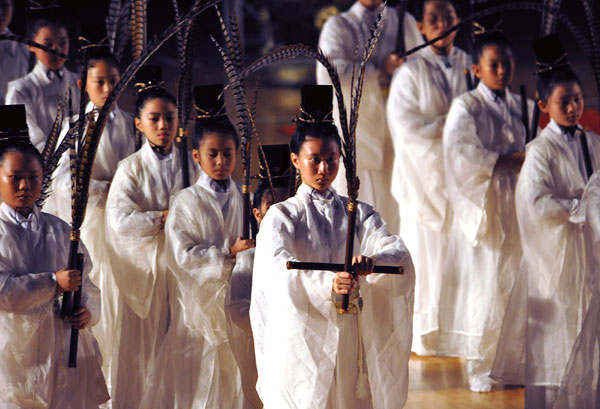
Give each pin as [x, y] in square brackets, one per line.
[245, 188]
[75, 235]
[351, 206]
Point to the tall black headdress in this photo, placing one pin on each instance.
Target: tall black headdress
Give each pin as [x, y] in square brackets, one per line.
[148, 77]
[209, 101]
[274, 164]
[316, 104]
[550, 54]
[14, 122]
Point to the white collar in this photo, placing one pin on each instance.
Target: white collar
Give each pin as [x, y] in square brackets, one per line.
[90, 106]
[211, 184]
[149, 151]
[51, 75]
[315, 194]
[30, 222]
[491, 95]
[361, 11]
[553, 126]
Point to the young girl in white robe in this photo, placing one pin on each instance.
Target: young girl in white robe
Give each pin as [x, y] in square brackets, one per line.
[420, 96]
[117, 142]
[551, 218]
[338, 40]
[484, 139]
[42, 89]
[195, 367]
[579, 386]
[35, 341]
[136, 209]
[308, 355]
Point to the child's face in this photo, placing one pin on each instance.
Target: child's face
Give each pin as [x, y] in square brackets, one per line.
[101, 79]
[20, 180]
[54, 37]
[371, 4]
[438, 16]
[496, 67]
[565, 104]
[318, 162]
[216, 155]
[281, 194]
[158, 122]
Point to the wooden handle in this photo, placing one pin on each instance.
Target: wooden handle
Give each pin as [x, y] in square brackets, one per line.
[335, 267]
[76, 304]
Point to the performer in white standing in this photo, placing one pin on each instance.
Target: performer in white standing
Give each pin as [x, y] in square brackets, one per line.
[15, 57]
[420, 97]
[308, 355]
[374, 152]
[484, 142]
[136, 209]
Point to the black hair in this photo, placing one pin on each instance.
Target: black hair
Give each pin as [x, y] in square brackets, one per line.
[19, 144]
[38, 19]
[420, 12]
[264, 187]
[485, 40]
[100, 53]
[152, 93]
[548, 80]
[220, 125]
[319, 130]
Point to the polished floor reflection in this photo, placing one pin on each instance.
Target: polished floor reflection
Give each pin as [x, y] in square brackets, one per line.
[439, 383]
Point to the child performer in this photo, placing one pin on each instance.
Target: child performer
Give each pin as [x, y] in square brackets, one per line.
[202, 239]
[307, 355]
[419, 100]
[136, 209]
[548, 197]
[35, 249]
[579, 387]
[15, 57]
[273, 187]
[338, 40]
[40, 90]
[484, 139]
[117, 142]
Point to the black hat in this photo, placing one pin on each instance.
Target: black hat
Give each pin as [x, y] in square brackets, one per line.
[317, 104]
[209, 100]
[13, 121]
[277, 158]
[550, 53]
[148, 77]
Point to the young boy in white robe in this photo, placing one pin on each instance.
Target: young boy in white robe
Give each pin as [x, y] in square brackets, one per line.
[41, 90]
[34, 252]
[548, 200]
[15, 57]
[202, 232]
[117, 143]
[420, 97]
[579, 386]
[338, 40]
[483, 140]
[273, 187]
[136, 210]
[308, 355]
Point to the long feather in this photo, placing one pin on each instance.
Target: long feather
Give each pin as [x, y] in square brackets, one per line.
[52, 140]
[138, 26]
[112, 22]
[591, 15]
[180, 34]
[549, 19]
[123, 30]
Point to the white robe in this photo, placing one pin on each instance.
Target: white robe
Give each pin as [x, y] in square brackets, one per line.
[34, 341]
[548, 197]
[338, 40]
[237, 308]
[307, 354]
[140, 192]
[579, 386]
[484, 239]
[195, 367]
[117, 142]
[41, 91]
[13, 64]
[420, 97]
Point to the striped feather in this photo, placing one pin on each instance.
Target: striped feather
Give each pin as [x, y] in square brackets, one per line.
[112, 22]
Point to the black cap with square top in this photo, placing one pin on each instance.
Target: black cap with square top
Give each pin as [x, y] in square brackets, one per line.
[550, 53]
[277, 158]
[209, 100]
[147, 77]
[317, 104]
[13, 121]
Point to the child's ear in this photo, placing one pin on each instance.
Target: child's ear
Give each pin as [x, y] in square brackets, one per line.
[476, 70]
[543, 105]
[79, 84]
[295, 160]
[421, 27]
[257, 215]
[138, 124]
[196, 155]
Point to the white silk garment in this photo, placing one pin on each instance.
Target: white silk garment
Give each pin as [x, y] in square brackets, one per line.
[484, 250]
[239, 331]
[374, 154]
[40, 91]
[579, 386]
[195, 367]
[141, 190]
[117, 143]
[420, 97]
[307, 355]
[13, 64]
[34, 341]
[548, 196]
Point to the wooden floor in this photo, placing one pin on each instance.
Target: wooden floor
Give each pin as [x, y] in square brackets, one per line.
[439, 383]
